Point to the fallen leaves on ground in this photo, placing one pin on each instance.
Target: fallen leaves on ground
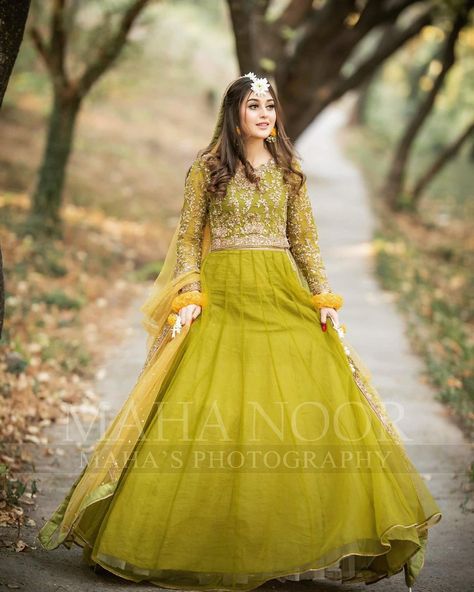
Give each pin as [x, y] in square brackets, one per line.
[65, 305]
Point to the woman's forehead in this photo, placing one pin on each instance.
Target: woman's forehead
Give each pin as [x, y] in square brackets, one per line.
[267, 96]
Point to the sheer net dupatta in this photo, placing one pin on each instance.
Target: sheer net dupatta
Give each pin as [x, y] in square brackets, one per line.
[157, 306]
[99, 477]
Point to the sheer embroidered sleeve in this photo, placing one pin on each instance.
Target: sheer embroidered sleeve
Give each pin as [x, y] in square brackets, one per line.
[191, 224]
[302, 235]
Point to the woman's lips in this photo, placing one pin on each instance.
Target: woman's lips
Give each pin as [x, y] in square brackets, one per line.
[262, 124]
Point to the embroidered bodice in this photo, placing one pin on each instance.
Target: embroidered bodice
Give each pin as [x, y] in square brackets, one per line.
[248, 217]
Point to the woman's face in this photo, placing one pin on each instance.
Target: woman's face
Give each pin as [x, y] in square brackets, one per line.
[257, 116]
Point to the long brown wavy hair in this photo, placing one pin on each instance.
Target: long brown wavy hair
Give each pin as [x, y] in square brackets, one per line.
[226, 150]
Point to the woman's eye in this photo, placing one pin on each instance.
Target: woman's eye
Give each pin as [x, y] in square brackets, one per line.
[269, 106]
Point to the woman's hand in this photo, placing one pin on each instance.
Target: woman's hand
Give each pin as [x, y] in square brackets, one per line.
[189, 313]
[325, 312]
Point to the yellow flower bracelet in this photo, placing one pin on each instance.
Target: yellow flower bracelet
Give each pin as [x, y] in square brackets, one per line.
[172, 318]
[327, 300]
[185, 298]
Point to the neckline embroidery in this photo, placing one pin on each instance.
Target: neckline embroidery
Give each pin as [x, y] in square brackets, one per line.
[265, 164]
[260, 167]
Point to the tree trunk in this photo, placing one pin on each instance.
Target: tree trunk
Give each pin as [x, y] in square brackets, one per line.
[2, 294]
[358, 113]
[12, 25]
[13, 17]
[68, 94]
[46, 201]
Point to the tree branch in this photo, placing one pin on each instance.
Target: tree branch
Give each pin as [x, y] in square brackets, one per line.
[110, 49]
[261, 7]
[380, 13]
[58, 42]
[42, 49]
[294, 14]
[323, 24]
[447, 60]
[322, 34]
[372, 16]
[53, 53]
[391, 41]
[395, 178]
[328, 32]
[447, 154]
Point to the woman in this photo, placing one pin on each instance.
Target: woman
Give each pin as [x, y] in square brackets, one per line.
[253, 445]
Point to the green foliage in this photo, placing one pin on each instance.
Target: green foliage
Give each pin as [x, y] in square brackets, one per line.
[471, 473]
[19, 347]
[267, 64]
[387, 266]
[438, 322]
[430, 278]
[71, 355]
[147, 272]
[406, 77]
[48, 259]
[11, 490]
[15, 363]
[60, 299]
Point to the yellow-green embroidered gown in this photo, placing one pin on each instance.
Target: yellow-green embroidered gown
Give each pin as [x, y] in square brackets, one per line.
[268, 453]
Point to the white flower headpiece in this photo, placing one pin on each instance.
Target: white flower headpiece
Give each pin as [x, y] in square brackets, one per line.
[259, 86]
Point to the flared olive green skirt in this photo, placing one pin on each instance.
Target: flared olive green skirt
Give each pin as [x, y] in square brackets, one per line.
[265, 457]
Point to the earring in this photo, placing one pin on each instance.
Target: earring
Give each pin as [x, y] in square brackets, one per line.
[237, 129]
[273, 136]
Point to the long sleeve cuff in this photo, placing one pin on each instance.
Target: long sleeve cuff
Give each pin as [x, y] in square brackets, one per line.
[193, 286]
[327, 300]
[182, 300]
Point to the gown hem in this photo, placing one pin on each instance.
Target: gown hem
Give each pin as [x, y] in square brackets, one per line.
[375, 577]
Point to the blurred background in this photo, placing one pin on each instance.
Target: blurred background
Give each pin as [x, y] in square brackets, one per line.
[108, 103]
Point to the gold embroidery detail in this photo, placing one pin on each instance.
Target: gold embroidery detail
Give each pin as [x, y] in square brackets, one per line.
[246, 245]
[251, 240]
[192, 287]
[373, 399]
[304, 241]
[249, 217]
[156, 345]
[191, 223]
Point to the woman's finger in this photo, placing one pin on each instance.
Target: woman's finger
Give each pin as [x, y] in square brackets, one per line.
[184, 313]
[189, 315]
[332, 313]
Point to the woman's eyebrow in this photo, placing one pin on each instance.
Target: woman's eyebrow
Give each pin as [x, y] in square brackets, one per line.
[256, 100]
